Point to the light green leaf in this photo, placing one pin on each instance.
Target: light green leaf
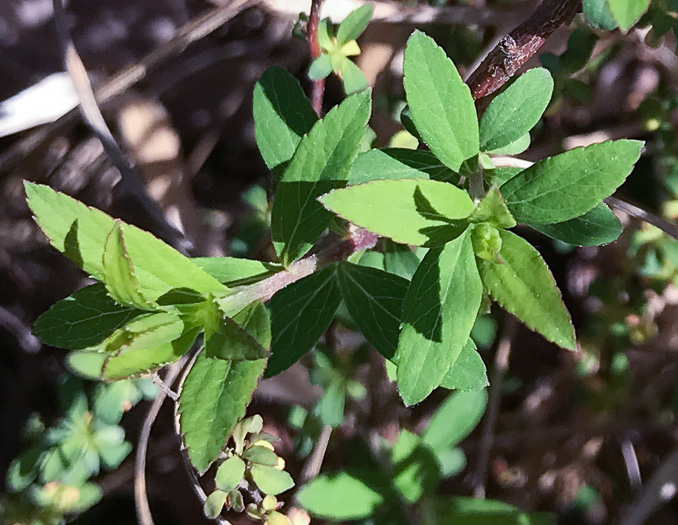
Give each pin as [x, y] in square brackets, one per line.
[300, 314]
[214, 398]
[230, 473]
[568, 185]
[270, 480]
[455, 419]
[597, 226]
[138, 357]
[628, 12]
[78, 232]
[451, 461]
[516, 147]
[354, 24]
[330, 408]
[398, 163]
[119, 277]
[86, 363]
[231, 341]
[282, 115]
[339, 496]
[374, 299]
[326, 42]
[352, 77]
[84, 319]
[524, 286]
[598, 14]
[516, 110]
[232, 271]
[320, 68]
[469, 371]
[493, 210]
[410, 211]
[261, 456]
[214, 504]
[498, 176]
[415, 468]
[439, 310]
[323, 161]
[440, 102]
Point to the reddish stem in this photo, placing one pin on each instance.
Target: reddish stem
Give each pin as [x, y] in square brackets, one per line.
[520, 45]
[314, 47]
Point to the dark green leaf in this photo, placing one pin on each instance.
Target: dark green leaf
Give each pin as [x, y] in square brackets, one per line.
[340, 496]
[323, 161]
[300, 314]
[524, 286]
[439, 310]
[597, 226]
[398, 163]
[231, 341]
[84, 319]
[516, 110]
[374, 299]
[598, 14]
[568, 185]
[455, 419]
[282, 115]
[469, 372]
[409, 211]
[440, 102]
[354, 24]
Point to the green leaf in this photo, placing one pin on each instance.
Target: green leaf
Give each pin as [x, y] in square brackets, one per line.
[455, 419]
[320, 68]
[323, 161]
[282, 115]
[84, 319]
[354, 24]
[231, 341]
[469, 511]
[493, 210]
[439, 310]
[597, 226]
[261, 456]
[214, 504]
[469, 372]
[86, 363]
[374, 299]
[451, 461]
[598, 14]
[516, 110]
[230, 473]
[352, 77]
[400, 259]
[627, 12]
[330, 408]
[339, 496]
[232, 271]
[270, 480]
[516, 147]
[324, 39]
[415, 468]
[397, 163]
[214, 398]
[78, 232]
[410, 211]
[119, 277]
[135, 359]
[498, 176]
[440, 102]
[524, 286]
[24, 469]
[568, 185]
[300, 314]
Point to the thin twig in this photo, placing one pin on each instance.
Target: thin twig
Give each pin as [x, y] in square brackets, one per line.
[520, 45]
[140, 494]
[312, 467]
[314, 48]
[131, 186]
[501, 365]
[132, 75]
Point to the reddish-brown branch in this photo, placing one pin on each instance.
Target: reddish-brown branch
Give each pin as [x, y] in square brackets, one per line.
[314, 47]
[520, 45]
